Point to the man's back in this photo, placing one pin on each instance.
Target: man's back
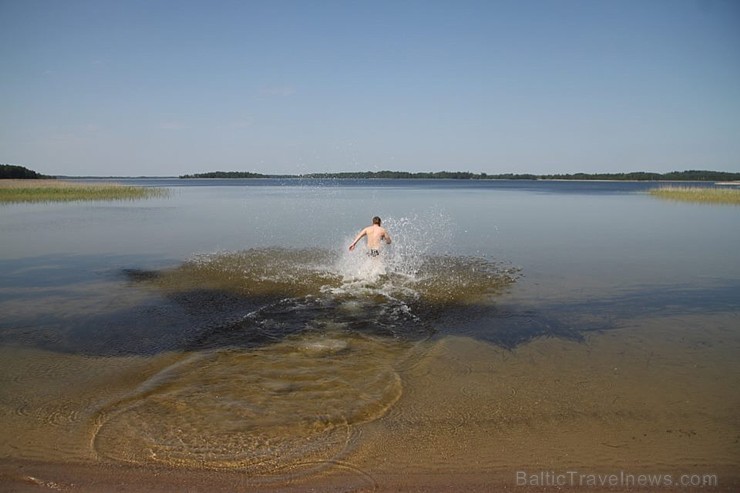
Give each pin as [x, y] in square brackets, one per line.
[375, 234]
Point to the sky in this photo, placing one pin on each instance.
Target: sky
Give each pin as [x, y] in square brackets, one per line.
[164, 88]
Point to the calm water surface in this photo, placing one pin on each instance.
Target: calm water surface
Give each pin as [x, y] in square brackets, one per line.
[228, 327]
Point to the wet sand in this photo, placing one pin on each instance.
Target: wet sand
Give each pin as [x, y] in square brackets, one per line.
[659, 397]
[27, 476]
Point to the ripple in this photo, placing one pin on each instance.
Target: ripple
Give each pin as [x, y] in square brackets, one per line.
[55, 414]
[267, 412]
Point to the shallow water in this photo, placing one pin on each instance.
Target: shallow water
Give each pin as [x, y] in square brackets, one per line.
[228, 328]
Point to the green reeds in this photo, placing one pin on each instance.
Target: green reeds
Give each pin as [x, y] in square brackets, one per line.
[729, 195]
[15, 191]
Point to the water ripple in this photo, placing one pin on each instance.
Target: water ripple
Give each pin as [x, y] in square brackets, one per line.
[265, 412]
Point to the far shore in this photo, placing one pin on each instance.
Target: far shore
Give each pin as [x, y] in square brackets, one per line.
[689, 175]
[76, 179]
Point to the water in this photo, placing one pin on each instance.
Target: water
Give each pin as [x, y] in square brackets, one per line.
[227, 327]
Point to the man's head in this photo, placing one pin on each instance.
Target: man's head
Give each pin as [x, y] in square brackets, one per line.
[376, 220]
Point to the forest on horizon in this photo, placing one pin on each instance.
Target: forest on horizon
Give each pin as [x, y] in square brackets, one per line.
[689, 175]
[8, 171]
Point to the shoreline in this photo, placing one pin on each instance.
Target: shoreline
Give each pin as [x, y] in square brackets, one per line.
[290, 177]
[30, 476]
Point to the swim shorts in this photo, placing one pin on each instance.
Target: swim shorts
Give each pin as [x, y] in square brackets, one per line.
[373, 253]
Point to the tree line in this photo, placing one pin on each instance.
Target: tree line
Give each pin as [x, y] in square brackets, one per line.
[229, 174]
[11, 171]
[690, 175]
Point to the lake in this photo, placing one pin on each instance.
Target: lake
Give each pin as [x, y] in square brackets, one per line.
[512, 329]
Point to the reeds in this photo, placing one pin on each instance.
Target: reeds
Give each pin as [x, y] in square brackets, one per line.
[15, 191]
[729, 195]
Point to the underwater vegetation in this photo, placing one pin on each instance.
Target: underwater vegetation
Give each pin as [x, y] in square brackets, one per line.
[698, 194]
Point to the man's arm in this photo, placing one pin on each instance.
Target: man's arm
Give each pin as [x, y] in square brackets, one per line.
[386, 237]
[362, 233]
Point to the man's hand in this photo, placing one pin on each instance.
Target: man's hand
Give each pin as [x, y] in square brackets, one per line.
[351, 247]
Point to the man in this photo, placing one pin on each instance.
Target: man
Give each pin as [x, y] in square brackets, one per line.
[375, 234]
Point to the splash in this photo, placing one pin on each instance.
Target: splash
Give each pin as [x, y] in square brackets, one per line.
[264, 295]
[399, 264]
[295, 291]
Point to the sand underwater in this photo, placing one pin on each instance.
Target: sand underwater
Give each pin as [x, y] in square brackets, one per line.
[316, 380]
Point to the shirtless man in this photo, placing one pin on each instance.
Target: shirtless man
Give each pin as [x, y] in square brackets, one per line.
[375, 234]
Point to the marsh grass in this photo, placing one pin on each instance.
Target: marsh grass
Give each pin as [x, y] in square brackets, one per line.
[698, 194]
[19, 191]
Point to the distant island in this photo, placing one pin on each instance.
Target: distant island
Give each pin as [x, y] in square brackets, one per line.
[13, 172]
[690, 175]
[231, 174]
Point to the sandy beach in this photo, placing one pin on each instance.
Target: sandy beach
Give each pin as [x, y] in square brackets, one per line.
[472, 417]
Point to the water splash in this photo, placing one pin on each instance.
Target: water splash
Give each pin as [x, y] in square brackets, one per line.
[416, 239]
[399, 264]
[286, 292]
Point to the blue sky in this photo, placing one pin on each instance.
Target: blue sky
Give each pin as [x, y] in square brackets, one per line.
[163, 88]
